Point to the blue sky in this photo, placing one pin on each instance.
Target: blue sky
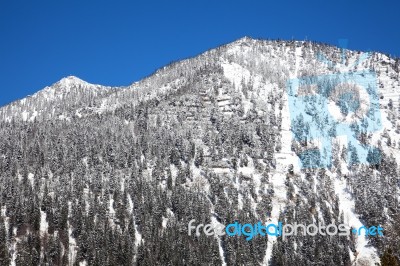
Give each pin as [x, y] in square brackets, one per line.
[119, 42]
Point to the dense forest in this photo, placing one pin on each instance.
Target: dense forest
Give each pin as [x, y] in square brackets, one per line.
[92, 175]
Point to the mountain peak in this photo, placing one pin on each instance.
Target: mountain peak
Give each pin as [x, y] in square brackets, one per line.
[244, 39]
[71, 81]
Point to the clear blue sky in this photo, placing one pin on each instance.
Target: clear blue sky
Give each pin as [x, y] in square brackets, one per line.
[119, 42]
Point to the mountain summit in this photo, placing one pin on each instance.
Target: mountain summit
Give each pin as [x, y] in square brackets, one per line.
[72, 81]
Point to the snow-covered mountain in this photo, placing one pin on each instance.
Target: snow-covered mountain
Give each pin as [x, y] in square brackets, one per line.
[65, 98]
[209, 138]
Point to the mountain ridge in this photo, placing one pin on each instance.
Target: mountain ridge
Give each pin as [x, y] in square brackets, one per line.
[72, 80]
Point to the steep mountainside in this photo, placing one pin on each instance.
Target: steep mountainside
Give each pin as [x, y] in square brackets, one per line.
[112, 176]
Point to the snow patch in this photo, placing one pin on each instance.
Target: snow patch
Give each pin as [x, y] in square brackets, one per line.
[365, 252]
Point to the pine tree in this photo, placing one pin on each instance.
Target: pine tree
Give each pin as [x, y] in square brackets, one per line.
[4, 254]
[388, 259]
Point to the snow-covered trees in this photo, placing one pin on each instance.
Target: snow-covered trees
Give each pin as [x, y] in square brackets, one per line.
[112, 176]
